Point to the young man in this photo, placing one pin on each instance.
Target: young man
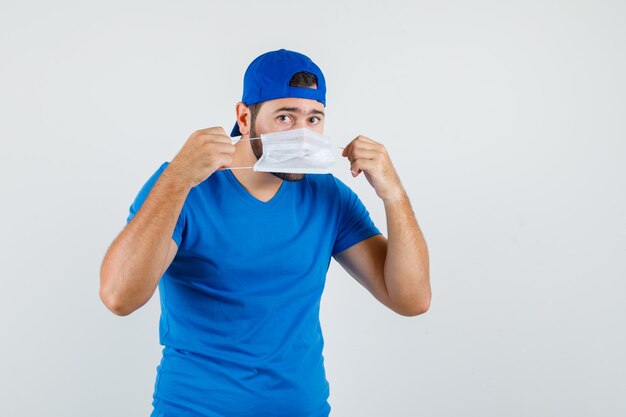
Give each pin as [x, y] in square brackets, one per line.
[240, 257]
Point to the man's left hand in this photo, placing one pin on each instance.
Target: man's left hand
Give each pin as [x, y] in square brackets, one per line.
[371, 158]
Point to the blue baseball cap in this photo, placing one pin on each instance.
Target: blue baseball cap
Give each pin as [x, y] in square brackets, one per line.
[268, 76]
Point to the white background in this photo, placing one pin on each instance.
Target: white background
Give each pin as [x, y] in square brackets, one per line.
[505, 120]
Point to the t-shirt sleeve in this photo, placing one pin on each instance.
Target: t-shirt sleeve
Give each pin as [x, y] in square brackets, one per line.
[143, 194]
[355, 223]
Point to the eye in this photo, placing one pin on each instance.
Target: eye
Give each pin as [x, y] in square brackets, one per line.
[314, 120]
[283, 118]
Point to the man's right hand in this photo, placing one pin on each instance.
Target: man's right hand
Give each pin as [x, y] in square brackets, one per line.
[206, 151]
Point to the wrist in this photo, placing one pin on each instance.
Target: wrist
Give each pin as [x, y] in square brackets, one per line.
[395, 197]
[175, 180]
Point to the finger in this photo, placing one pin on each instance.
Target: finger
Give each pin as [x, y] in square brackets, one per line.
[364, 154]
[222, 161]
[363, 147]
[226, 148]
[366, 139]
[214, 129]
[361, 165]
[369, 145]
[216, 138]
[361, 141]
[346, 149]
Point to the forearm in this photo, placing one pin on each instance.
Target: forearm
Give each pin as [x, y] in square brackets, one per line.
[132, 267]
[406, 268]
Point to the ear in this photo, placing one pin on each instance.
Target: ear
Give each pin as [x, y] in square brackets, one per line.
[243, 118]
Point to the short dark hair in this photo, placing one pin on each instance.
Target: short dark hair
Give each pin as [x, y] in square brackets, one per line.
[300, 79]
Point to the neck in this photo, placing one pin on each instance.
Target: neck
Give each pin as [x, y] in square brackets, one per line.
[251, 180]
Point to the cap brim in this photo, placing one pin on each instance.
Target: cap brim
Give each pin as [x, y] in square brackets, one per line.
[235, 131]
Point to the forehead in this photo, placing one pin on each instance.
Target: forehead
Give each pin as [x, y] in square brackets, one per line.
[304, 105]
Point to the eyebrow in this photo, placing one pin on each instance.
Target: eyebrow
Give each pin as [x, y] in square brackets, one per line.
[298, 110]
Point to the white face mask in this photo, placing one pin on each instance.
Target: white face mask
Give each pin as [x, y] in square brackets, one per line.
[296, 151]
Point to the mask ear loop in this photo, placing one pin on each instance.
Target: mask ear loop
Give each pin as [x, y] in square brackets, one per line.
[237, 139]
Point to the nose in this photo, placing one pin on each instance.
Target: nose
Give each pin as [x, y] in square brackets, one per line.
[299, 124]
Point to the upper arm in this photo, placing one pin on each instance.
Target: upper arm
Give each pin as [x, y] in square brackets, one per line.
[141, 197]
[365, 262]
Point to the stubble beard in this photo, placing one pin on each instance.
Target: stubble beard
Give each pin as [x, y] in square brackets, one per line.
[257, 148]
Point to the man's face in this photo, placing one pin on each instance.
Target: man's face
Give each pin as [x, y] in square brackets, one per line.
[286, 114]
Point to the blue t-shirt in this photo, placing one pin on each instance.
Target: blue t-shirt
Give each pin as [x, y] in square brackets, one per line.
[240, 301]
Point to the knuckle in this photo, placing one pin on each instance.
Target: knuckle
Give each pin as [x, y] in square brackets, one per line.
[221, 138]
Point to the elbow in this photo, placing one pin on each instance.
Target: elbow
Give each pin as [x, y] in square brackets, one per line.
[113, 303]
[413, 311]
[121, 301]
[413, 308]
[111, 298]
[109, 295]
